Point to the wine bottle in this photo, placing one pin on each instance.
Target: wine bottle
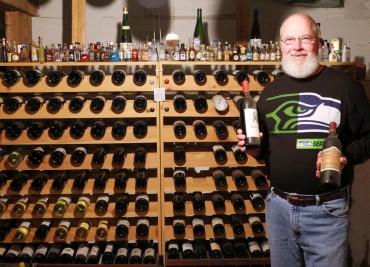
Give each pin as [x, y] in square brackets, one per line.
[78, 129]
[101, 205]
[179, 154]
[119, 129]
[19, 180]
[179, 103]
[39, 181]
[200, 128]
[200, 77]
[98, 129]
[258, 177]
[78, 156]
[173, 249]
[11, 77]
[67, 254]
[238, 154]
[97, 77]
[108, 253]
[55, 103]
[3, 205]
[21, 206]
[61, 205]
[141, 178]
[220, 103]
[149, 256]
[200, 249]
[101, 179]
[330, 173]
[241, 249]
[139, 77]
[140, 155]
[83, 229]
[40, 253]
[240, 76]
[264, 244]
[41, 206]
[219, 178]
[142, 203]
[57, 156]
[60, 180]
[187, 249]
[255, 34]
[12, 254]
[179, 128]
[255, 223]
[221, 77]
[22, 231]
[119, 155]
[238, 201]
[178, 76]
[56, 129]
[82, 205]
[136, 254]
[43, 229]
[178, 201]
[239, 178]
[14, 129]
[33, 77]
[34, 104]
[219, 153]
[76, 104]
[5, 226]
[36, 129]
[94, 254]
[218, 226]
[81, 253]
[102, 230]
[215, 249]
[97, 103]
[36, 156]
[254, 248]
[199, 33]
[249, 118]
[126, 35]
[75, 77]
[120, 181]
[12, 104]
[121, 204]
[122, 254]
[99, 156]
[62, 230]
[179, 178]
[218, 201]
[220, 129]
[118, 77]
[140, 129]
[261, 76]
[123, 226]
[198, 201]
[228, 250]
[257, 201]
[54, 77]
[118, 103]
[142, 227]
[179, 226]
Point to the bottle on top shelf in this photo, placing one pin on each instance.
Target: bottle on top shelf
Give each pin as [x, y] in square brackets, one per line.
[199, 33]
[255, 33]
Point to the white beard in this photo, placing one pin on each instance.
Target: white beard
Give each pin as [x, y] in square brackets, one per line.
[300, 70]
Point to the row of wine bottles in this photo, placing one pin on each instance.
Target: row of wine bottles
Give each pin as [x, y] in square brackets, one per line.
[74, 78]
[218, 248]
[142, 252]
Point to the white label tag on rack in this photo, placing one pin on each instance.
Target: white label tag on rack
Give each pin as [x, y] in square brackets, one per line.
[159, 94]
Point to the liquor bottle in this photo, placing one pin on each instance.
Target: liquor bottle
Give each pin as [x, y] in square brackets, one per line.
[121, 204]
[227, 249]
[238, 201]
[99, 156]
[21, 206]
[220, 103]
[198, 201]
[108, 253]
[220, 129]
[126, 35]
[40, 253]
[219, 178]
[82, 205]
[76, 104]
[238, 154]
[97, 77]
[200, 77]
[249, 118]
[57, 156]
[36, 156]
[136, 254]
[33, 104]
[221, 77]
[215, 249]
[97, 104]
[173, 249]
[122, 254]
[60, 180]
[62, 230]
[187, 249]
[67, 254]
[199, 33]
[140, 155]
[179, 154]
[56, 129]
[101, 205]
[101, 179]
[123, 226]
[179, 128]
[54, 77]
[120, 181]
[142, 227]
[83, 229]
[241, 249]
[218, 226]
[19, 180]
[41, 206]
[75, 77]
[240, 76]
[102, 230]
[43, 229]
[36, 129]
[11, 77]
[178, 77]
[255, 223]
[119, 155]
[12, 254]
[3, 205]
[200, 249]
[55, 103]
[22, 231]
[179, 103]
[141, 178]
[118, 103]
[5, 226]
[142, 203]
[219, 153]
[140, 129]
[139, 77]
[254, 248]
[78, 129]
[330, 174]
[32, 77]
[78, 156]
[81, 253]
[61, 205]
[261, 76]
[178, 201]
[140, 103]
[14, 129]
[119, 129]
[39, 181]
[258, 177]
[118, 77]
[12, 104]
[179, 178]
[239, 178]
[255, 34]
[200, 128]
[218, 201]
[257, 201]
[94, 254]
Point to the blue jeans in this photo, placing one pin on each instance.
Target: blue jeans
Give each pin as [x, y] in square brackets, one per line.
[310, 236]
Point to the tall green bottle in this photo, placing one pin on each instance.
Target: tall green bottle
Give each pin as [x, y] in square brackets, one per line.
[199, 34]
[126, 36]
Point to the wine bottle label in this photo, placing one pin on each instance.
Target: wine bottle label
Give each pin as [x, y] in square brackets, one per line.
[265, 246]
[331, 159]
[84, 225]
[149, 252]
[217, 147]
[83, 250]
[29, 250]
[219, 103]
[122, 252]
[84, 199]
[14, 249]
[94, 251]
[66, 199]
[43, 200]
[216, 221]
[144, 197]
[39, 149]
[187, 246]
[173, 246]
[46, 223]
[136, 252]
[41, 249]
[65, 224]
[124, 223]
[143, 221]
[254, 219]
[235, 148]
[215, 246]
[251, 122]
[253, 246]
[80, 148]
[125, 27]
[178, 221]
[103, 198]
[61, 98]
[4, 200]
[25, 225]
[23, 201]
[61, 150]
[68, 250]
[254, 196]
[197, 221]
[109, 248]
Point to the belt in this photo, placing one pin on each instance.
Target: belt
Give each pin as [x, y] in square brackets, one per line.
[309, 200]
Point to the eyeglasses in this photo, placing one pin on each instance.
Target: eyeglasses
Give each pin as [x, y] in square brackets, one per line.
[302, 40]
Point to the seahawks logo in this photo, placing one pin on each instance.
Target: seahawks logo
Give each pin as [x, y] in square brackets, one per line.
[303, 112]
